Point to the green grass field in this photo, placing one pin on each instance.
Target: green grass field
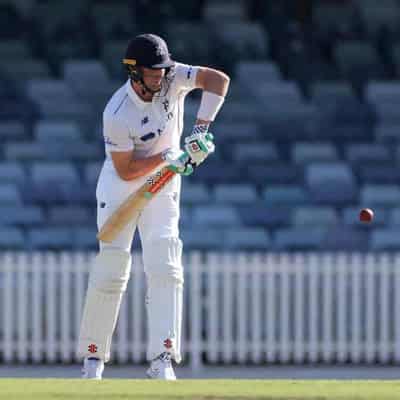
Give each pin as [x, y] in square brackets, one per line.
[45, 389]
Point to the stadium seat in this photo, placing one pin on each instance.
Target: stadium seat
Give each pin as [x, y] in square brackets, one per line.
[328, 93]
[50, 239]
[376, 16]
[215, 10]
[367, 152]
[241, 40]
[380, 195]
[345, 238]
[195, 193]
[378, 173]
[12, 130]
[12, 239]
[48, 131]
[14, 49]
[285, 195]
[358, 60]
[246, 153]
[202, 239]
[25, 151]
[54, 173]
[250, 73]
[247, 239]
[69, 215]
[314, 216]
[393, 218]
[9, 194]
[12, 172]
[263, 216]
[275, 174]
[215, 216]
[385, 239]
[21, 215]
[305, 152]
[85, 238]
[20, 71]
[288, 239]
[235, 194]
[331, 183]
[387, 133]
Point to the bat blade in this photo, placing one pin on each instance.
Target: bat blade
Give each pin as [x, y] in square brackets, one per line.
[130, 209]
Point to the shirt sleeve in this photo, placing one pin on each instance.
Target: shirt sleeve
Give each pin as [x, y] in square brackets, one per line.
[116, 135]
[185, 76]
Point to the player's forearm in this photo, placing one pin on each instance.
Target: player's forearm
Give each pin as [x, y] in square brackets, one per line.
[135, 168]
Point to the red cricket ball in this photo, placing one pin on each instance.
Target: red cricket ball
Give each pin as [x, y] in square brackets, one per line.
[366, 215]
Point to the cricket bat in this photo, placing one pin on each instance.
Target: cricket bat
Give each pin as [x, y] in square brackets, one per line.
[133, 205]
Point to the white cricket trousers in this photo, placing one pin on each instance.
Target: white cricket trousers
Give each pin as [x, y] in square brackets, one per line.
[162, 258]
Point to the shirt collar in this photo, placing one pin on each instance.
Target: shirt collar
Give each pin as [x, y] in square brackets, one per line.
[134, 97]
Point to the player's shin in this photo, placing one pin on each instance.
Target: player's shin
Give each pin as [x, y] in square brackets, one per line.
[107, 283]
[164, 272]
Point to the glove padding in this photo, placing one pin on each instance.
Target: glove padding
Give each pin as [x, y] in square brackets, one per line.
[199, 146]
[178, 161]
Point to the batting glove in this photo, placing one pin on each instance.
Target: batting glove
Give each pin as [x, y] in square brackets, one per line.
[199, 146]
[178, 161]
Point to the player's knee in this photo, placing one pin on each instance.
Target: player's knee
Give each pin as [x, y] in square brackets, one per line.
[163, 258]
[110, 271]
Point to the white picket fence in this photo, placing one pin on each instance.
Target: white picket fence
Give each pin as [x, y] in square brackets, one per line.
[258, 308]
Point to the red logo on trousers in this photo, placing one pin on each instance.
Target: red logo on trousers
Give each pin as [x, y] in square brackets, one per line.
[168, 343]
[92, 348]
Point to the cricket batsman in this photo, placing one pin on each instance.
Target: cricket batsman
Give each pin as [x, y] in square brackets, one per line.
[142, 127]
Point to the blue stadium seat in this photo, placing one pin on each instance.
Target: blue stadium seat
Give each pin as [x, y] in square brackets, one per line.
[268, 217]
[306, 152]
[85, 238]
[50, 239]
[378, 173]
[330, 93]
[24, 216]
[331, 183]
[242, 40]
[387, 133]
[358, 60]
[215, 216]
[25, 151]
[18, 70]
[54, 172]
[275, 174]
[11, 238]
[345, 238]
[287, 239]
[12, 172]
[257, 70]
[240, 131]
[380, 195]
[393, 218]
[285, 195]
[367, 152]
[69, 215]
[12, 130]
[254, 153]
[247, 239]
[235, 194]
[49, 131]
[195, 193]
[385, 239]
[202, 239]
[314, 216]
[9, 194]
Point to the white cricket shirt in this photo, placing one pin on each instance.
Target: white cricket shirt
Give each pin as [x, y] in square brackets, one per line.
[147, 128]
